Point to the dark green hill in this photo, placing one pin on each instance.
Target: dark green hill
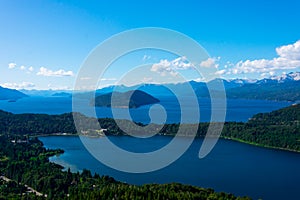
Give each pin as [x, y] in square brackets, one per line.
[10, 94]
[36, 123]
[283, 116]
[278, 129]
[137, 98]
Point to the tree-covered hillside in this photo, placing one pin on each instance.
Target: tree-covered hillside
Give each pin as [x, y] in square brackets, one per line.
[284, 116]
[278, 129]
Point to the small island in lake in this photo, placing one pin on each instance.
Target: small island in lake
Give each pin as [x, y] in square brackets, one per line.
[136, 98]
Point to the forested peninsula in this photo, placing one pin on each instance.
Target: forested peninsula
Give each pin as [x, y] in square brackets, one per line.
[277, 129]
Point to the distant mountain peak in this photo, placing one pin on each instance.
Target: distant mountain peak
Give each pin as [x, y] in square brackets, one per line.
[242, 81]
[293, 76]
[10, 94]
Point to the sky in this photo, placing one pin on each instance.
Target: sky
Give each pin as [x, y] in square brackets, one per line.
[43, 43]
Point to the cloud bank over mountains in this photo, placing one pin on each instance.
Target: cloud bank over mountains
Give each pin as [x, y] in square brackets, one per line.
[165, 66]
[288, 59]
[59, 73]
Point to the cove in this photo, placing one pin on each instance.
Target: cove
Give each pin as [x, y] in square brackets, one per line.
[232, 167]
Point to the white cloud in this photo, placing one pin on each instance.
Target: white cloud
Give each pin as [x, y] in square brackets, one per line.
[30, 69]
[12, 65]
[291, 51]
[59, 73]
[210, 63]
[288, 58]
[213, 63]
[23, 85]
[165, 66]
[220, 72]
[22, 67]
[266, 75]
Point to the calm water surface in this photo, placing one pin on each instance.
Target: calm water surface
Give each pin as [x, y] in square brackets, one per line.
[231, 167]
[237, 109]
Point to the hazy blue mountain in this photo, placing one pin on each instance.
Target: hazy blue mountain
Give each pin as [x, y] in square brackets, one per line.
[182, 88]
[285, 87]
[269, 90]
[136, 98]
[157, 90]
[153, 89]
[10, 94]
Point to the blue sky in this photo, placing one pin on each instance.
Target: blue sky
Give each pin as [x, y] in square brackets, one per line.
[43, 43]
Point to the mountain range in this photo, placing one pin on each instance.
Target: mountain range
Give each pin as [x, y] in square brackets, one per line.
[285, 87]
[10, 94]
[280, 88]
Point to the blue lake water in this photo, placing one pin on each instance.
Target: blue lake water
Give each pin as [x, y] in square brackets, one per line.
[237, 109]
[232, 167]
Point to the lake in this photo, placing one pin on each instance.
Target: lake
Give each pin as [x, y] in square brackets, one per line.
[231, 167]
[237, 109]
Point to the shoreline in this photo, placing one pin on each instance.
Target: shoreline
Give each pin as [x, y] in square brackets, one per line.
[221, 137]
[54, 134]
[67, 134]
[260, 145]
